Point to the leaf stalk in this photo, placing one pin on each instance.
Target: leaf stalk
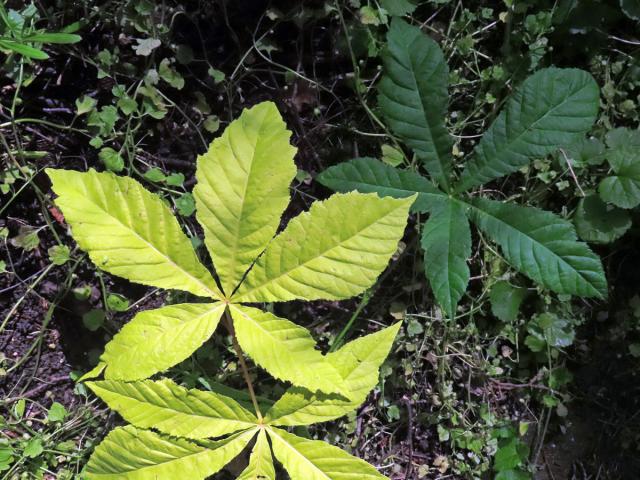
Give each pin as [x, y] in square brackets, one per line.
[243, 364]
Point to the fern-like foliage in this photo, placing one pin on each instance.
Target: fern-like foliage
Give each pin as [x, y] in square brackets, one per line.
[242, 190]
[552, 108]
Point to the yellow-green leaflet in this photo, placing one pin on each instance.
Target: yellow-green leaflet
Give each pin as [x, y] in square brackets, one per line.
[175, 410]
[260, 462]
[243, 188]
[130, 232]
[128, 453]
[315, 460]
[158, 339]
[334, 251]
[358, 363]
[286, 350]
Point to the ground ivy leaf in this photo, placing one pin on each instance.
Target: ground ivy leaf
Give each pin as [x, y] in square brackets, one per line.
[623, 188]
[598, 222]
[27, 238]
[111, 159]
[186, 204]
[170, 75]
[93, 319]
[508, 457]
[85, 104]
[144, 46]
[398, 7]
[175, 179]
[392, 156]
[33, 448]
[506, 300]
[155, 175]
[59, 254]
[117, 303]
[57, 412]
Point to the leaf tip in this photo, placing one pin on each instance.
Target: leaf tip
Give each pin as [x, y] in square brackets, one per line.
[93, 373]
[54, 174]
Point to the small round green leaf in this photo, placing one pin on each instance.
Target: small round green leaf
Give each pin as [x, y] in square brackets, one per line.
[598, 222]
[506, 300]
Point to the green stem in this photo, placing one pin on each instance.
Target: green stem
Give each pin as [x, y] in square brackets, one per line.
[42, 122]
[337, 343]
[243, 364]
[356, 71]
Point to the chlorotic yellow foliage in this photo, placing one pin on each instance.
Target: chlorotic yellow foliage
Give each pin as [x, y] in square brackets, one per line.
[334, 251]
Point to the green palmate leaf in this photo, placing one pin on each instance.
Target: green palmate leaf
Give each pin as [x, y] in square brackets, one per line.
[158, 339]
[543, 246]
[392, 156]
[413, 96]
[622, 189]
[132, 454]
[286, 350]
[321, 256]
[243, 188]
[358, 362]
[552, 108]
[598, 222]
[130, 232]
[446, 240]
[172, 409]
[368, 175]
[260, 462]
[315, 460]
